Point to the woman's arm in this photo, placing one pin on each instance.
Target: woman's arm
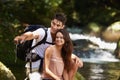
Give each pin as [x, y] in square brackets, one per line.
[71, 74]
[73, 70]
[65, 75]
[48, 54]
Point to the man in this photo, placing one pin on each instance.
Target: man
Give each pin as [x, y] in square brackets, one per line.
[57, 22]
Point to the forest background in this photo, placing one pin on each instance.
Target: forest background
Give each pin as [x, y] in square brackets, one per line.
[80, 14]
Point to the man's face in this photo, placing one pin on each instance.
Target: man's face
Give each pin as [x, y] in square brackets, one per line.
[56, 25]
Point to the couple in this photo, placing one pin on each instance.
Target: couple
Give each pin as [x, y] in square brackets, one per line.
[57, 23]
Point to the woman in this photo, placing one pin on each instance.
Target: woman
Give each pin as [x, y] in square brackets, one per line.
[58, 64]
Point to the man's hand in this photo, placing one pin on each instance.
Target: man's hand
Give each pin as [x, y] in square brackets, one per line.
[19, 39]
[77, 60]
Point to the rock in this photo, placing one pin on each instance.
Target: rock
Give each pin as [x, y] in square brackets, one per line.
[5, 73]
[84, 44]
[112, 33]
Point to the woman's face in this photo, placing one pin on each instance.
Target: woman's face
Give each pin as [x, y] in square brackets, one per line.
[56, 25]
[59, 40]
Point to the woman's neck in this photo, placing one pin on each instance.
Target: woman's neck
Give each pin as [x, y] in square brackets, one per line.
[57, 50]
[58, 47]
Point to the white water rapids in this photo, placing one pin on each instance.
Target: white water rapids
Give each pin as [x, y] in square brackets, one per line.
[99, 55]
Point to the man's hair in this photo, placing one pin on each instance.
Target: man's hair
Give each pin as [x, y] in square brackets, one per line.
[61, 17]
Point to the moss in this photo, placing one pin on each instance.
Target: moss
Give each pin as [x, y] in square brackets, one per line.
[78, 76]
[5, 73]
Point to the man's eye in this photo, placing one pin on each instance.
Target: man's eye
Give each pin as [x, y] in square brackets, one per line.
[58, 25]
[57, 37]
[53, 23]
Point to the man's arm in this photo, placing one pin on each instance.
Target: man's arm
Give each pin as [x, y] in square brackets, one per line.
[78, 60]
[25, 36]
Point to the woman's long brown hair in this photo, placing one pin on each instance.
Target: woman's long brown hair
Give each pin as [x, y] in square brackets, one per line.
[67, 49]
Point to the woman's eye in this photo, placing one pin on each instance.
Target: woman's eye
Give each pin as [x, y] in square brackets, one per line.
[61, 37]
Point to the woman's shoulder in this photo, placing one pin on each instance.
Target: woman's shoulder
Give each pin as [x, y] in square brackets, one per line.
[50, 48]
[49, 51]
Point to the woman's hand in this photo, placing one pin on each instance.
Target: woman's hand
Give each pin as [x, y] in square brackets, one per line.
[57, 78]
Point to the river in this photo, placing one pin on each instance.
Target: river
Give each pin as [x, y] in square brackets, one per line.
[99, 63]
[101, 71]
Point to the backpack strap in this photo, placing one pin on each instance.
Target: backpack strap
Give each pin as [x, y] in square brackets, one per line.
[33, 27]
[49, 42]
[42, 41]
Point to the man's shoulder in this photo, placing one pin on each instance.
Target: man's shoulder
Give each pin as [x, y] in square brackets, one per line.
[48, 29]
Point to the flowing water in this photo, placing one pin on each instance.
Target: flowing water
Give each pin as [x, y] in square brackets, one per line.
[101, 71]
[99, 63]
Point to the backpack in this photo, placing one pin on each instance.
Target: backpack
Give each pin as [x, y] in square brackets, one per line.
[22, 49]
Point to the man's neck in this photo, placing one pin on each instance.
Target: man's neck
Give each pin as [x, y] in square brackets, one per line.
[53, 36]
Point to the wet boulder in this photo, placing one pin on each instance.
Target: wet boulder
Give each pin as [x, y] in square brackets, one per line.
[112, 33]
[5, 73]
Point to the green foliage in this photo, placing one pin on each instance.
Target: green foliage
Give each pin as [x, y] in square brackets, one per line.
[101, 11]
[30, 11]
[78, 76]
